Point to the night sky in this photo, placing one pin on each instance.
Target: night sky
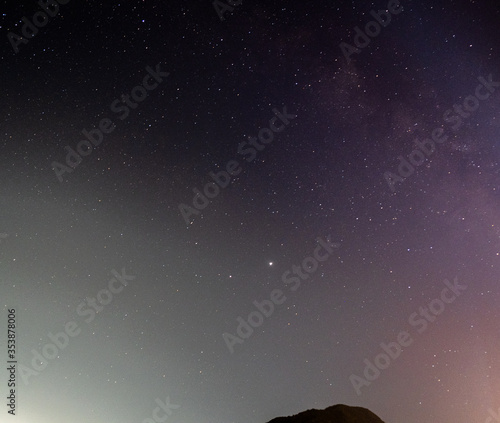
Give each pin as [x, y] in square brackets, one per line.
[168, 169]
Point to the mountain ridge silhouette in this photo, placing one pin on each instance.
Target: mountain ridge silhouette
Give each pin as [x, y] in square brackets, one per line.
[339, 413]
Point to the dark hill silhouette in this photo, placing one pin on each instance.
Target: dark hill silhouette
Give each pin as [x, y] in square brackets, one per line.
[335, 414]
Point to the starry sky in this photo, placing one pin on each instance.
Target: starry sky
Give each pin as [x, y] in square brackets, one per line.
[170, 168]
